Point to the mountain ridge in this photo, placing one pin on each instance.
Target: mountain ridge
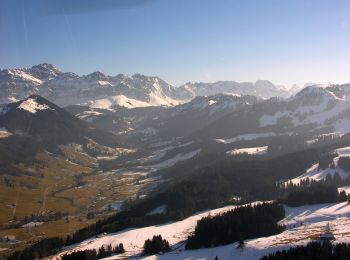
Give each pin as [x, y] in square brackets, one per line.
[100, 90]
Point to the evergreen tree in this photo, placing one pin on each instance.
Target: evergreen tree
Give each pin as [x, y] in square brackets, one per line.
[240, 242]
[342, 196]
[313, 251]
[233, 225]
[156, 245]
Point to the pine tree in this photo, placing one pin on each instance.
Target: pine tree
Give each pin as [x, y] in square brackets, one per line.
[240, 242]
[342, 196]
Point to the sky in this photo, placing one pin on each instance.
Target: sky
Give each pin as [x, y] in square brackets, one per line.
[284, 41]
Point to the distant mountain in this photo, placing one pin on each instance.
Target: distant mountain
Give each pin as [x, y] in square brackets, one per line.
[37, 124]
[95, 89]
[98, 90]
[261, 89]
[295, 89]
[158, 123]
[183, 120]
[315, 108]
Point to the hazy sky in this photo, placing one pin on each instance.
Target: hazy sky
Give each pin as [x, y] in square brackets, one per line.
[285, 41]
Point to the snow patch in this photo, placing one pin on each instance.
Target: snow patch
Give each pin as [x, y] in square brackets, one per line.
[120, 100]
[245, 137]
[345, 151]
[32, 106]
[26, 76]
[157, 210]
[317, 174]
[32, 224]
[104, 83]
[178, 158]
[267, 120]
[251, 151]
[4, 133]
[116, 206]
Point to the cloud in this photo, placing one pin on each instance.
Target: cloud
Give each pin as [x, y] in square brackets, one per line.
[58, 7]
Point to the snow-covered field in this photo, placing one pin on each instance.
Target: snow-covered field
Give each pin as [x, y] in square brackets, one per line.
[133, 239]
[251, 151]
[303, 224]
[317, 174]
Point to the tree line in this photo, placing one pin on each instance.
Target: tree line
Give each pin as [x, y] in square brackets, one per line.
[208, 187]
[315, 194]
[92, 254]
[244, 222]
[313, 251]
[156, 245]
[151, 246]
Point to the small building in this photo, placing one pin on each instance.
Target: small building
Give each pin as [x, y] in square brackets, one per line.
[327, 236]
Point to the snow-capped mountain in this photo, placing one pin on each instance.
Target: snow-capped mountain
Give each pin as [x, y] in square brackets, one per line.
[295, 89]
[16, 84]
[36, 118]
[103, 91]
[261, 88]
[322, 108]
[95, 89]
[318, 108]
[187, 118]
[315, 105]
[165, 122]
[214, 103]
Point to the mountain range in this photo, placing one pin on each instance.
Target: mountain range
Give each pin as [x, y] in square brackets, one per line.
[321, 109]
[136, 110]
[103, 91]
[86, 144]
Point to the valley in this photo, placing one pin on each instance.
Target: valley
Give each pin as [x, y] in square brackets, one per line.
[127, 166]
[189, 130]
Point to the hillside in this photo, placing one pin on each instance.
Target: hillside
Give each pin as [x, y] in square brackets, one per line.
[314, 108]
[122, 164]
[161, 175]
[49, 172]
[303, 225]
